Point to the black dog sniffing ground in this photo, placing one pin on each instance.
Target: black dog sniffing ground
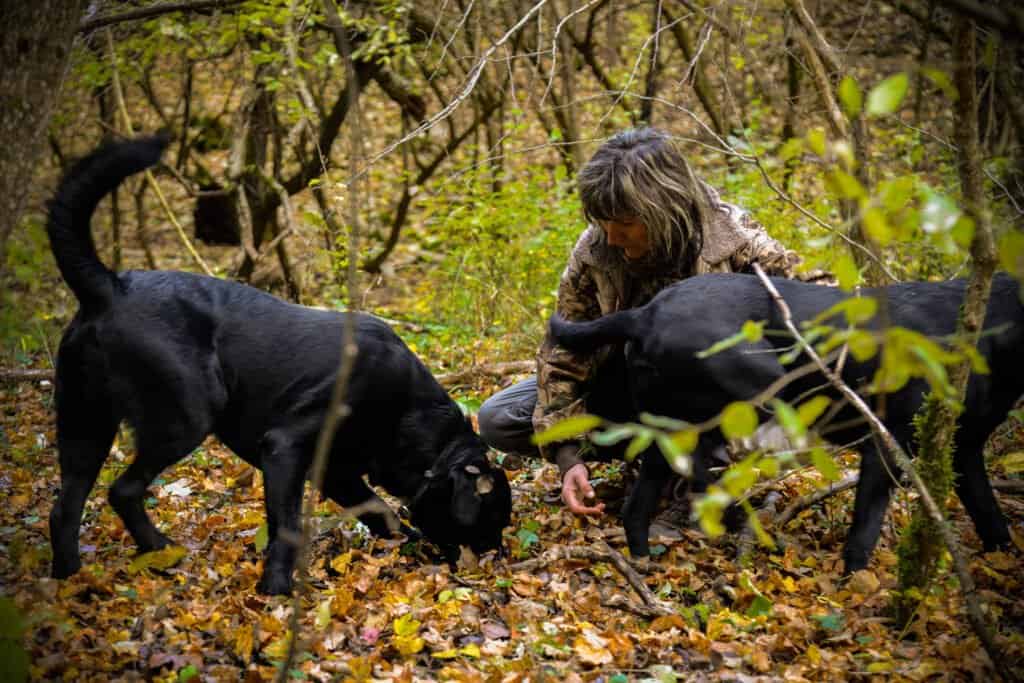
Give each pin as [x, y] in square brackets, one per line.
[667, 377]
[181, 356]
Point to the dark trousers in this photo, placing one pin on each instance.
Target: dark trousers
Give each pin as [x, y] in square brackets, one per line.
[506, 418]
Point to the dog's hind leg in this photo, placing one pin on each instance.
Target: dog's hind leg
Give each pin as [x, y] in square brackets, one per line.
[871, 502]
[975, 491]
[85, 432]
[156, 450]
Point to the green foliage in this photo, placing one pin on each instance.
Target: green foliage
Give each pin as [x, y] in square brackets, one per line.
[886, 97]
[751, 332]
[739, 419]
[27, 323]
[568, 428]
[921, 548]
[504, 241]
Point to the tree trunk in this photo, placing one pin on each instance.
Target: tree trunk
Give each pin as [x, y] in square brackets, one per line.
[35, 47]
[922, 545]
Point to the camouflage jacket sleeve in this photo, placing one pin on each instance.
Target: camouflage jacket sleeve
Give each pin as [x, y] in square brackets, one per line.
[758, 247]
[561, 373]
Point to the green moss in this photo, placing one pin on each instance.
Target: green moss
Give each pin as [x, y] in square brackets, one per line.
[921, 545]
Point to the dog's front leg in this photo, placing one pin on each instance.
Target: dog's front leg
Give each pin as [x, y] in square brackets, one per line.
[643, 501]
[283, 480]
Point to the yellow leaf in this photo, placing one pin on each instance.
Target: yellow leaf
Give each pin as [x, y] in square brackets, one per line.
[342, 602]
[158, 559]
[471, 650]
[813, 654]
[664, 623]
[880, 667]
[278, 648]
[323, 614]
[451, 653]
[592, 649]
[405, 625]
[1013, 462]
[408, 645]
[341, 563]
[760, 660]
[244, 642]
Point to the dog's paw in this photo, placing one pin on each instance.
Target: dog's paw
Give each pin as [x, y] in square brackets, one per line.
[275, 583]
[62, 570]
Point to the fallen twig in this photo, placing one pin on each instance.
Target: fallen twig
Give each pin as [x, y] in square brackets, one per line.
[629, 568]
[1008, 485]
[515, 367]
[14, 375]
[813, 498]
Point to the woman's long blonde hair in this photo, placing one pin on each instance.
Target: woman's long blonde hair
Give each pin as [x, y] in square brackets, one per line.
[640, 173]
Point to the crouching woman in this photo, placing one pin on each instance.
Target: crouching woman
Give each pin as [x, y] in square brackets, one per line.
[652, 222]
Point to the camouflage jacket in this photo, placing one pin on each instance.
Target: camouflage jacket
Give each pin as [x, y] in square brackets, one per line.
[598, 281]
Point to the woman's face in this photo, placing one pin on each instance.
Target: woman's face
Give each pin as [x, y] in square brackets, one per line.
[628, 234]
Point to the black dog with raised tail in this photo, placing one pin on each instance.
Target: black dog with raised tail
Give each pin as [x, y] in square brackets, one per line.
[181, 356]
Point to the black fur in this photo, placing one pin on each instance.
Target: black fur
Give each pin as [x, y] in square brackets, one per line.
[180, 356]
[666, 378]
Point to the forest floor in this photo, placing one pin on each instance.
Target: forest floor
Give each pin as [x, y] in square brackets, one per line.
[556, 609]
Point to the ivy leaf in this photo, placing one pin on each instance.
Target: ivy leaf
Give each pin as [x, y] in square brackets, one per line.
[885, 97]
[760, 607]
[832, 621]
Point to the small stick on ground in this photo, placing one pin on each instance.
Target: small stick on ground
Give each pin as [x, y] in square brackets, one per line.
[813, 498]
[652, 606]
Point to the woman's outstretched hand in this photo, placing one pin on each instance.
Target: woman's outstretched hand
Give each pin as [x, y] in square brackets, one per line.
[576, 489]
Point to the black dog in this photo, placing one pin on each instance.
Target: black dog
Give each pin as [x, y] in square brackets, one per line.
[663, 337]
[181, 356]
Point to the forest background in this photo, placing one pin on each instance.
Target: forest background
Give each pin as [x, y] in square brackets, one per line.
[441, 140]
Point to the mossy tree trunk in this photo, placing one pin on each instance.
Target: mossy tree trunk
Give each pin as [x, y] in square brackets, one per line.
[921, 545]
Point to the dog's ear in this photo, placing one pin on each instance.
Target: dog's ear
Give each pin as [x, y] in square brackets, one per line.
[465, 498]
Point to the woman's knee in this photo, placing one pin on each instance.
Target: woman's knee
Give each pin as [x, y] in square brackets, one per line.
[505, 420]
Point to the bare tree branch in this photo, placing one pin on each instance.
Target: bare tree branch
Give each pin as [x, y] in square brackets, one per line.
[153, 11]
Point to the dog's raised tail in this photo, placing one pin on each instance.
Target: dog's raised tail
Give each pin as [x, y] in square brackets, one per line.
[614, 328]
[71, 210]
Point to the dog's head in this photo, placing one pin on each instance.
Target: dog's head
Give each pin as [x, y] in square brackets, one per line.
[463, 500]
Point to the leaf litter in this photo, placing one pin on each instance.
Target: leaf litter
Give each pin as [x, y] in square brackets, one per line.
[381, 609]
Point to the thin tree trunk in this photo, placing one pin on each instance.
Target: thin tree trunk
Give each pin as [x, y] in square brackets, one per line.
[35, 47]
[701, 84]
[922, 544]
